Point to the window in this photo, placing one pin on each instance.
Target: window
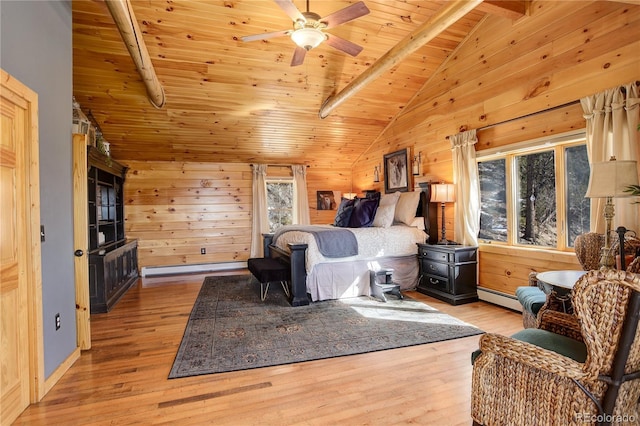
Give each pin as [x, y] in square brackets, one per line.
[279, 202]
[535, 194]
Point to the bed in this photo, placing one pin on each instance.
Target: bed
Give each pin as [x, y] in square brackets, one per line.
[319, 274]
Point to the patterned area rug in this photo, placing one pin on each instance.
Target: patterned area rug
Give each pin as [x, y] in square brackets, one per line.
[231, 329]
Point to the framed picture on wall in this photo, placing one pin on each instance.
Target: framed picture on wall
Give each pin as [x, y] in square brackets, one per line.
[396, 171]
[328, 200]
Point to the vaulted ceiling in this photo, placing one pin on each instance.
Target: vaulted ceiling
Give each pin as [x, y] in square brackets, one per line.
[226, 100]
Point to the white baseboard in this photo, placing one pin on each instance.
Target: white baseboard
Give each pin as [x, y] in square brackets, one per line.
[149, 271]
[498, 298]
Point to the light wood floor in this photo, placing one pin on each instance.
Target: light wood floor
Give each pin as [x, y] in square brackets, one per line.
[123, 378]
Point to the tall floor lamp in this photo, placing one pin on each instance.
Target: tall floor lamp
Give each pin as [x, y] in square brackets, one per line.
[610, 179]
[443, 193]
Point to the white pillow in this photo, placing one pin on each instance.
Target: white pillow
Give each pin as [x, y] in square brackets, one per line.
[406, 207]
[389, 199]
[418, 222]
[384, 216]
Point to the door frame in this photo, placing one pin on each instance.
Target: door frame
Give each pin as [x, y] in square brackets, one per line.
[80, 241]
[14, 89]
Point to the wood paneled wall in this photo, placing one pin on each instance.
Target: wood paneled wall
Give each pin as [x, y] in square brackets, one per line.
[175, 209]
[504, 70]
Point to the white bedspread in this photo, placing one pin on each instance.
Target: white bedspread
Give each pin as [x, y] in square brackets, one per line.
[373, 242]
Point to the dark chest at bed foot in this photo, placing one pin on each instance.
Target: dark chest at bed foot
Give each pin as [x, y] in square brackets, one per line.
[382, 283]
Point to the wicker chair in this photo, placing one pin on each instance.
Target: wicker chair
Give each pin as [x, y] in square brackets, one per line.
[588, 248]
[533, 299]
[518, 382]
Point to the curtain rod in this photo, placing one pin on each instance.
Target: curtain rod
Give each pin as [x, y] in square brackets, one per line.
[280, 165]
[525, 116]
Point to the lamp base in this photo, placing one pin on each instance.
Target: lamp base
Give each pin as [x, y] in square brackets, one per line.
[447, 243]
[606, 258]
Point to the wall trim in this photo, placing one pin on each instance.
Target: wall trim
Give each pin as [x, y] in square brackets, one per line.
[499, 298]
[149, 271]
[59, 372]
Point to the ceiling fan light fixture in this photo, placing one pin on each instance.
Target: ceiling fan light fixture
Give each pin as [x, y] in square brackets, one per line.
[308, 38]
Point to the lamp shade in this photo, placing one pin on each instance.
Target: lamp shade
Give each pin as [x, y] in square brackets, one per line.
[611, 178]
[308, 38]
[443, 193]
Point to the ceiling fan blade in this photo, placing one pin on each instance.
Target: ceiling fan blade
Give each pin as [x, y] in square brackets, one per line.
[265, 36]
[344, 45]
[291, 10]
[298, 56]
[347, 14]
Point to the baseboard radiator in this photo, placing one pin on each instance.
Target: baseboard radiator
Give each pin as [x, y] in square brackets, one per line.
[150, 271]
[498, 298]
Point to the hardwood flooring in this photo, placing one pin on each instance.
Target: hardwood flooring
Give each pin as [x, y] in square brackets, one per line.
[122, 380]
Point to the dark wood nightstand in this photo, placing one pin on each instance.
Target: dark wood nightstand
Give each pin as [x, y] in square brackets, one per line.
[448, 272]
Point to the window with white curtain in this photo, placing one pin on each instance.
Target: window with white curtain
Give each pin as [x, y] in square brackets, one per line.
[533, 194]
[280, 202]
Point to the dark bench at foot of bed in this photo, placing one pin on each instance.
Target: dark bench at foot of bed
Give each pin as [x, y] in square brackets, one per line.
[268, 270]
[296, 261]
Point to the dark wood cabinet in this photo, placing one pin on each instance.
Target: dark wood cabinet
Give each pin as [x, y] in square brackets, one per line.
[111, 274]
[113, 260]
[448, 272]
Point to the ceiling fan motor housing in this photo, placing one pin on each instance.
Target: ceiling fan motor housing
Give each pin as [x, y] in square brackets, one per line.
[308, 34]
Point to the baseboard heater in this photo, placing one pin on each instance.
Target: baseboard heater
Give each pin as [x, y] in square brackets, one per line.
[498, 298]
[150, 271]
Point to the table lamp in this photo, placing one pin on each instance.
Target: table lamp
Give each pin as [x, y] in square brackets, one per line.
[610, 179]
[443, 193]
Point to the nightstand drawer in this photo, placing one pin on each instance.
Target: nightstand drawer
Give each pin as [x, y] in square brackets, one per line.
[438, 283]
[427, 253]
[435, 268]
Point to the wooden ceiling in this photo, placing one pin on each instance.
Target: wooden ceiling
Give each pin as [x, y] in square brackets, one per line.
[230, 101]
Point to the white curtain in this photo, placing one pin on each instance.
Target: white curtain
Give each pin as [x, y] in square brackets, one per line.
[467, 183]
[259, 218]
[301, 209]
[612, 130]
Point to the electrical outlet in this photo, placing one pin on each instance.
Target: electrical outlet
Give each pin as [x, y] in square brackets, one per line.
[203, 250]
[57, 321]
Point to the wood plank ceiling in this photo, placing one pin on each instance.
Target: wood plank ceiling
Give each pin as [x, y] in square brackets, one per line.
[229, 101]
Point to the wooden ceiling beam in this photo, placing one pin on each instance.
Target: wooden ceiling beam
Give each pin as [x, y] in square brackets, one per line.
[636, 2]
[440, 21]
[128, 28]
[509, 9]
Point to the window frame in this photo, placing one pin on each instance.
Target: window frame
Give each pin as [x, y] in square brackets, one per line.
[289, 180]
[509, 153]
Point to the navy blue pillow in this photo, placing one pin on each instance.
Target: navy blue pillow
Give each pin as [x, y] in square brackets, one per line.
[364, 212]
[343, 215]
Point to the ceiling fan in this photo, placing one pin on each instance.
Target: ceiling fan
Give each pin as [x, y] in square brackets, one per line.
[308, 29]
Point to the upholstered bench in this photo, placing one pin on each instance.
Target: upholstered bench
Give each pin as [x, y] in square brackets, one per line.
[268, 270]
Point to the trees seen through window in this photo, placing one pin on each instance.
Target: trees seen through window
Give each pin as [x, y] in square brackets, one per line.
[535, 195]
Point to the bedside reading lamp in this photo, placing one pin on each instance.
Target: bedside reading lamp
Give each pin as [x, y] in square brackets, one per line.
[443, 193]
[610, 179]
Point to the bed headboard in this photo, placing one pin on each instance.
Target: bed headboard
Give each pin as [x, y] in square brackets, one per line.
[428, 210]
